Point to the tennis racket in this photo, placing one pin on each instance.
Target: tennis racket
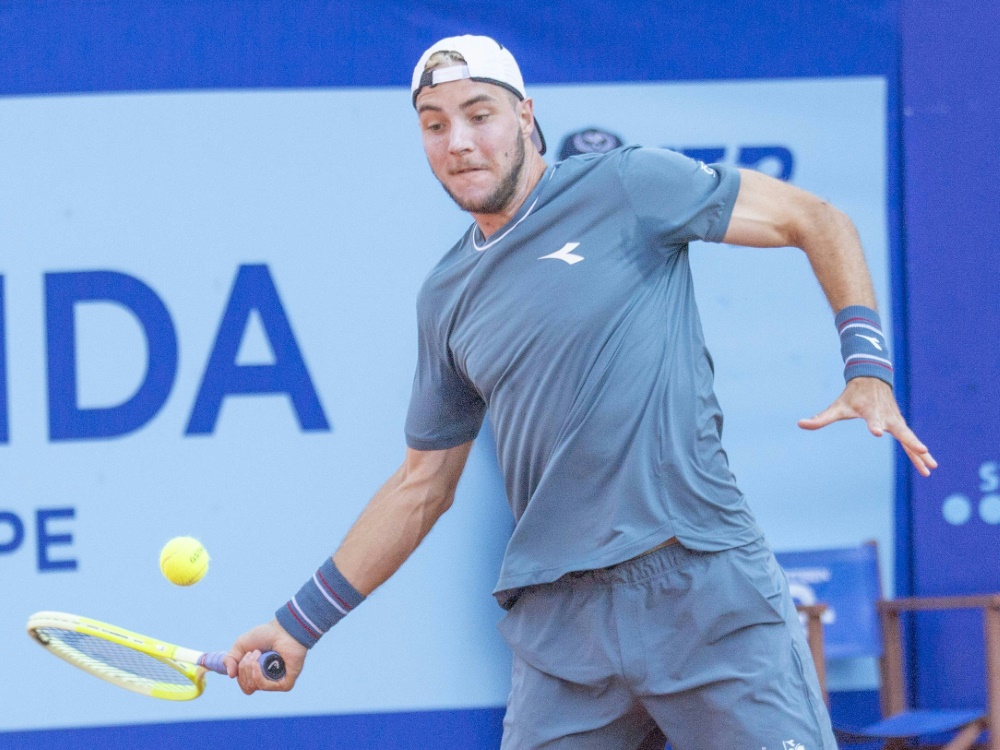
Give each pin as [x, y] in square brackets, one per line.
[132, 661]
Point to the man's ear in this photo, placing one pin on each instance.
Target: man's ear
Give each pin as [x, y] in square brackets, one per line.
[526, 113]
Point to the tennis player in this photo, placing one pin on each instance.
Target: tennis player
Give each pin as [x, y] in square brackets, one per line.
[641, 594]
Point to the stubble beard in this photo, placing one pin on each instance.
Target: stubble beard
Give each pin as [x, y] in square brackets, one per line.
[500, 198]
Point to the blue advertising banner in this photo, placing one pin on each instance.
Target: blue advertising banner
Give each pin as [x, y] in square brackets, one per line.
[951, 99]
[163, 45]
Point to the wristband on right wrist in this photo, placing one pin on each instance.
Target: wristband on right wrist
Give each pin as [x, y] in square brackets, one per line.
[863, 345]
[322, 602]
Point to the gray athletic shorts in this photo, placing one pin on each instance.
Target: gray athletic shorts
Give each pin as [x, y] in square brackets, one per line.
[707, 645]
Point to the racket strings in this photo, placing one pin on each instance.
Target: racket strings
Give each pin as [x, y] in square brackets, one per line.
[106, 658]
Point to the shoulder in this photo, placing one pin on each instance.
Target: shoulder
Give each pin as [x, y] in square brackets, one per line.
[662, 163]
[575, 167]
[638, 167]
[444, 273]
[673, 177]
[585, 177]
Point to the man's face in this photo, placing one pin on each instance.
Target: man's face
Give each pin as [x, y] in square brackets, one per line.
[473, 136]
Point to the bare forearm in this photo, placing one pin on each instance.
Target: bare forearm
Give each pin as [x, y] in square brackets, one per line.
[833, 247]
[398, 517]
[771, 213]
[388, 531]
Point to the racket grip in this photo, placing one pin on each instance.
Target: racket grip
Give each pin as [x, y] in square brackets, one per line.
[271, 663]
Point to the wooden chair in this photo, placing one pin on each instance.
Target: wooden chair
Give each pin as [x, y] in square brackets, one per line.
[846, 580]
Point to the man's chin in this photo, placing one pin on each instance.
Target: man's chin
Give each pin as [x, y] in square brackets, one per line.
[471, 186]
[473, 201]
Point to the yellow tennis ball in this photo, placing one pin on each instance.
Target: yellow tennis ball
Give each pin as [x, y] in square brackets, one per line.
[184, 561]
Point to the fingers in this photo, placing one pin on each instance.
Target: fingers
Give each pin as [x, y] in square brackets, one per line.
[923, 462]
[917, 452]
[901, 431]
[872, 401]
[837, 411]
[245, 643]
[244, 673]
[242, 661]
[896, 426]
[251, 678]
[232, 660]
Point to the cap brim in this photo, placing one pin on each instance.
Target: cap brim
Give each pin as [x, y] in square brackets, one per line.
[537, 138]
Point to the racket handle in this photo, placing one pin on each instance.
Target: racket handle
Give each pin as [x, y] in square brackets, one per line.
[271, 663]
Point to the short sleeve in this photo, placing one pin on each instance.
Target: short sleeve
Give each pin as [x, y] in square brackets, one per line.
[445, 410]
[677, 199]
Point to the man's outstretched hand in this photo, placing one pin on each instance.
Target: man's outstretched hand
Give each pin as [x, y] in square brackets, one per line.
[873, 401]
[241, 661]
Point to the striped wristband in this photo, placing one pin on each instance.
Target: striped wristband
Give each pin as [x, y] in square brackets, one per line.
[322, 602]
[863, 345]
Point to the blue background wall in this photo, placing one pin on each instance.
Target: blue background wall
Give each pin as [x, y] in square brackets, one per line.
[115, 46]
[940, 115]
[951, 110]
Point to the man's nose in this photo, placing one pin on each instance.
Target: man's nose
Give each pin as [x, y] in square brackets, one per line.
[460, 140]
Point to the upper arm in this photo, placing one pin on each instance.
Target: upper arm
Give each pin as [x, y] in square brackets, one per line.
[772, 213]
[445, 408]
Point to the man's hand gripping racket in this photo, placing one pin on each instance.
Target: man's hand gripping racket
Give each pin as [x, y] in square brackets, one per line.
[243, 659]
[136, 662]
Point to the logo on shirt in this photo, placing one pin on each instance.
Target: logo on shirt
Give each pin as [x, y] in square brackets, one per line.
[565, 253]
[791, 745]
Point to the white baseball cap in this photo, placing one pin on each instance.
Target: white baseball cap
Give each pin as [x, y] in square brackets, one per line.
[486, 61]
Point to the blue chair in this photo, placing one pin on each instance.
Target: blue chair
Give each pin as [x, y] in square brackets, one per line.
[858, 622]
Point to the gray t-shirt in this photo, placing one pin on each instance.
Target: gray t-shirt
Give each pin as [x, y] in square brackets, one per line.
[576, 326]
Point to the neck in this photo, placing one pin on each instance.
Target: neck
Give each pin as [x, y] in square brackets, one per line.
[534, 168]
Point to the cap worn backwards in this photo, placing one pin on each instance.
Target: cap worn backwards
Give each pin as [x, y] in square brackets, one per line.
[486, 61]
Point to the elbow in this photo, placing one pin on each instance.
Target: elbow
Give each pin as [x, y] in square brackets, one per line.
[437, 503]
[429, 506]
[427, 481]
[819, 219]
[425, 498]
[840, 221]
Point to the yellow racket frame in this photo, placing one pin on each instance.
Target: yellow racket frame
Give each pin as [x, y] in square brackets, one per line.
[182, 660]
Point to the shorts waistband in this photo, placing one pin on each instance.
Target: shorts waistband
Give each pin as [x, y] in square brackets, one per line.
[670, 555]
